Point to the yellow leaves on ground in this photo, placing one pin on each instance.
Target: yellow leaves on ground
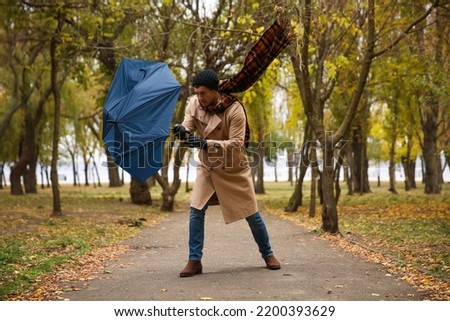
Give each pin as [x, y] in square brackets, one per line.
[34, 245]
[408, 233]
[89, 267]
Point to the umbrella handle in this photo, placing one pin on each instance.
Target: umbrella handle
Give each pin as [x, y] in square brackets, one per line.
[181, 132]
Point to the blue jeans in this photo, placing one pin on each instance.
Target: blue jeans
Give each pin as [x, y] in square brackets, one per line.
[197, 233]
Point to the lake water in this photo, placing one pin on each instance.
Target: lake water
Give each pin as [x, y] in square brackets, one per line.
[281, 168]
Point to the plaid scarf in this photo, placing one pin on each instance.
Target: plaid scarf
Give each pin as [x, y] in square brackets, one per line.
[261, 55]
[226, 101]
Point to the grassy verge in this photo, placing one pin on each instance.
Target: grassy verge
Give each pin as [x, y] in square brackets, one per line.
[33, 244]
[411, 230]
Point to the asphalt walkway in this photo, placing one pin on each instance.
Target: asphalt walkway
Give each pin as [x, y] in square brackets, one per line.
[233, 269]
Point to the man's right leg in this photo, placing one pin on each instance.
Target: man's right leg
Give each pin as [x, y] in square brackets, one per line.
[196, 241]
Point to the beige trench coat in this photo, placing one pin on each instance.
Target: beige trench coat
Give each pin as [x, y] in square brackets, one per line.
[224, 166]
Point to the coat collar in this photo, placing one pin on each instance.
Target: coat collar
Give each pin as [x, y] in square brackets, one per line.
[214, 121]
[211, 120]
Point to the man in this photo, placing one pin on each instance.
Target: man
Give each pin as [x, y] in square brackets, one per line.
[223, 172]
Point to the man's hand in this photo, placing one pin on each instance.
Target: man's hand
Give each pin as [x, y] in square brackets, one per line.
[180, 132]
[196, 142]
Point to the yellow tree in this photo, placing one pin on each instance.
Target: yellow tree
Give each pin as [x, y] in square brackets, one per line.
[431, 49]
[327, 30]
[258, 101]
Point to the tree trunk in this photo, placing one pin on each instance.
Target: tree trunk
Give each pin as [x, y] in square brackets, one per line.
[291, 165]
[17, 171]
[296, 198]
[314, 168]
[412, 173]
[15, 179]
[409, 167]
[2, 174]
[27, 152]
[430, 152]
[392, 144]
[359, 132]
[337, 172]
[113, 171]
[168, 200]
[170, 189]
[405, 164]
[74, 168]
[392, 172]
[349, 170]
[259, 167]
[86, 161]
[430, 113]
[57, 211]
[329, 208]
[29, 176]
[42, 177]
[97, 174]
[139, 192]
[360, 162]
[47, 176]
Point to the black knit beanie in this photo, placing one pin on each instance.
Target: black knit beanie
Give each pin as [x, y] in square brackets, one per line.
[207, 78]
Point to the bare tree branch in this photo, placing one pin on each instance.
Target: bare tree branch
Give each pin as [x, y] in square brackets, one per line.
[408, 30]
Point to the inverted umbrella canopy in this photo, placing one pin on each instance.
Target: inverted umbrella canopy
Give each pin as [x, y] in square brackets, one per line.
[137, 115]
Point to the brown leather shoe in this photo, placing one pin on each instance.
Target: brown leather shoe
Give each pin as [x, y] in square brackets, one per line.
[272, 263]
[192, 268]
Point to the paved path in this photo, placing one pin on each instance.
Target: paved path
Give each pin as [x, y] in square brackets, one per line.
[233, 269]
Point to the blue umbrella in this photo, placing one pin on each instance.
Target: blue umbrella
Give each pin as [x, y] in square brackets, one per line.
[137, 115]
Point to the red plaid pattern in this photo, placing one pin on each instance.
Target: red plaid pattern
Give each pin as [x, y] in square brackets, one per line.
[268, 47]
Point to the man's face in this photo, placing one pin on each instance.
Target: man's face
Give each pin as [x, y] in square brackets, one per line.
[206, 96]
